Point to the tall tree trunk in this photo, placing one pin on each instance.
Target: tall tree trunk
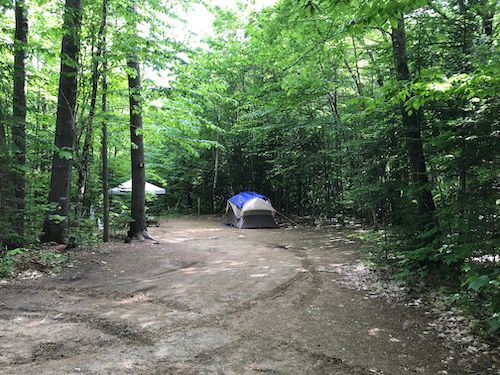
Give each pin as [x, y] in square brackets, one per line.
[104, 156]
[55, 228]
[138, 225]
[86, 150]
[3, 137]
[380, 77]
[356, 66]
[412, 127]
[488, 25]
[104, 139]
[487, 12]
[214, 184]
[4, 171]
[216, 162]
[357, 83]
[19, 114]
[332, 100]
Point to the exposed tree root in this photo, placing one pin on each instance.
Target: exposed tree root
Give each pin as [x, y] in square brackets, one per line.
[141, 237]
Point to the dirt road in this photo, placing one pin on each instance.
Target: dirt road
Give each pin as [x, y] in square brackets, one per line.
[215, 300]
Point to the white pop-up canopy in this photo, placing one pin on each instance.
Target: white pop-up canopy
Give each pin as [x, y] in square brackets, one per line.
[126, 187]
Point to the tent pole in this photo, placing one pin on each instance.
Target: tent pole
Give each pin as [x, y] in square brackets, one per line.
[286, 217]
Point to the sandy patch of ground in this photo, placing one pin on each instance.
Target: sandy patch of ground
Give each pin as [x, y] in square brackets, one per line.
[215, 300]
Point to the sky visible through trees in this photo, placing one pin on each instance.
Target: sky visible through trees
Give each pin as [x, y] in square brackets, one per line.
[383, 112]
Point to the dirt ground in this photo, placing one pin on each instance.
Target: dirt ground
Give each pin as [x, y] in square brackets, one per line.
[215, 300]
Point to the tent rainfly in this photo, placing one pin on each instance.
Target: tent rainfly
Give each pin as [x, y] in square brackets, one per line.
[250, 210]
[126, 187]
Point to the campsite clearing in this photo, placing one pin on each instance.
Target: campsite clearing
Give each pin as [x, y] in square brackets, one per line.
[216, 300]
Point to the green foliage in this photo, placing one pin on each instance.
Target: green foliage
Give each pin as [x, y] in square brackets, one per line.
[119, 217]
[7, 261]
[478, 282]
[483, 295]
[20, 259]
[54, 261]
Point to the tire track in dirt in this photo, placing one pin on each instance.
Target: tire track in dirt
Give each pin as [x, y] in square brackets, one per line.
[308, 279]
[309, 276]
[306, 296]
[316, 283]
[183, 266]
[210, 320]
[323, 363]
[219, 318]
[47, 351]
[285, 287]
[128, 333]
[93, 292]
[118, 329]
[206, 356]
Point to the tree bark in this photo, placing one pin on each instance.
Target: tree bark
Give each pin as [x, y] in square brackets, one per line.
[214, 184]
[104, 139]
[4, 170]
[19, 115]
[86, 150]
[216, 162]
[487, 12]
[412, 127]
[55, 228]
[3, 137]
[104, 156]
[357, 83]
[380, 77]
[138, 224]
[356, 66]
[332, 100]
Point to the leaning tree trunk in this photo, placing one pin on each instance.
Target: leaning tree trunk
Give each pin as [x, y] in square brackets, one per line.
[55, 227]
[138, 224]
[19, 115]
[412, 127]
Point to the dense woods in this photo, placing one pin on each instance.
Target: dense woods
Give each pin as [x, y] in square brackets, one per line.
[382, 111]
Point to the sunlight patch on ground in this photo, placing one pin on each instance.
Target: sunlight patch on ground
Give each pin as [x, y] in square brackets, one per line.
[374, 331]
[149, 324]
[190, 270]
[202, 230]
[36, 323]
[177, 240]
[134, 299]
[128, 364]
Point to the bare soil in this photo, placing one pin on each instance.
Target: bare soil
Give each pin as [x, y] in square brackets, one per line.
[215, 300]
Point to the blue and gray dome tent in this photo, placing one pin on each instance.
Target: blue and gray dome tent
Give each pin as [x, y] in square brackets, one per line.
[250, 210]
